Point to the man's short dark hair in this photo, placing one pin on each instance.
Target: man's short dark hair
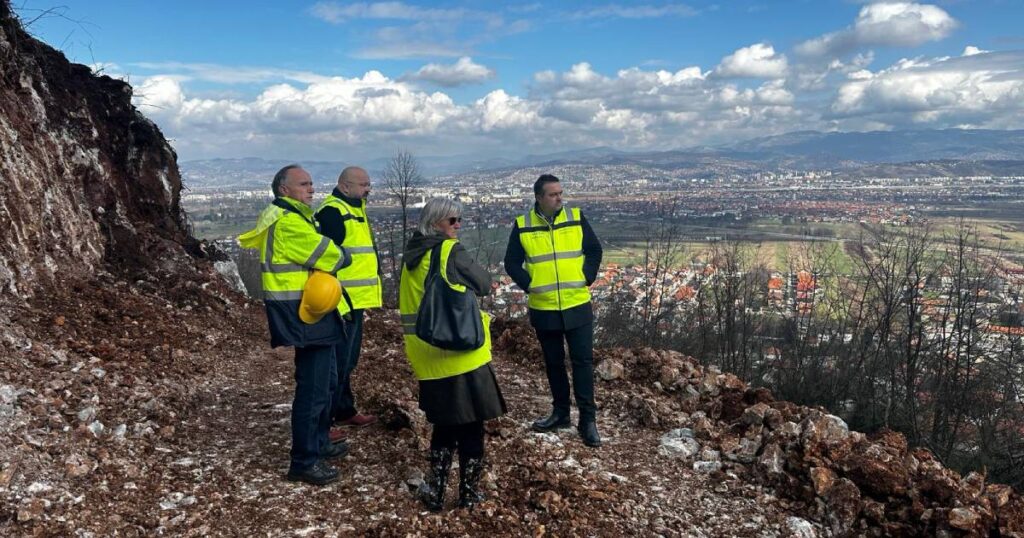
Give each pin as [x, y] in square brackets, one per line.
[538, 186]
[279, 178]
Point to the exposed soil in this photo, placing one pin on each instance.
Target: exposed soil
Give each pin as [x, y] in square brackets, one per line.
[157, 408]
[194, 410]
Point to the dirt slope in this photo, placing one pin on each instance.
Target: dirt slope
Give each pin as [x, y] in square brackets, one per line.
[137, 409]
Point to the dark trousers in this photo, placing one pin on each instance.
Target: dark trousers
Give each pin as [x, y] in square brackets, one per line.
[346, 355]
[581, 354]
[315, 380]
[467, 438]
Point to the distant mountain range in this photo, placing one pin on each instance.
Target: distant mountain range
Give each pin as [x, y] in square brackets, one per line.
[937, 152]
[829, 149]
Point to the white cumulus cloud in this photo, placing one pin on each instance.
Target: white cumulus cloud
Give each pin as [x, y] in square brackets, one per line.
[633, 108]
[756, 61]
[980, 89]
[889, 24]
[461, 73]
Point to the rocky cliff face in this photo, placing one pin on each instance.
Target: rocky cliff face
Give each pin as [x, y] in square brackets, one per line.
[84, 178]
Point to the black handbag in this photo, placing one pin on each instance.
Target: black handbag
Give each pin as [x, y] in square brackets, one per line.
[447, 318]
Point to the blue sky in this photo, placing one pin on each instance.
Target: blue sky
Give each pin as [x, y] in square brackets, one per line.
[344, 80]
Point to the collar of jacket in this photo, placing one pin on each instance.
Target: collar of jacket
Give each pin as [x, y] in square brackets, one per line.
[419, 245]
[354, 202]
[536, 209]
[291, 204]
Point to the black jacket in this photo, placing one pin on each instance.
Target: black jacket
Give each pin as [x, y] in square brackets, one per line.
[461, 267]
[330, 221]
[554, 320]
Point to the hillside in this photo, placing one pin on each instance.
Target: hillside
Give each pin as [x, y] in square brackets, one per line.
[138, 395]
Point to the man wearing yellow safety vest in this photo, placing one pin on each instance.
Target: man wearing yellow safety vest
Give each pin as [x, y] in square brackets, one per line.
[342, 217]
[291, 248]
[553, 254]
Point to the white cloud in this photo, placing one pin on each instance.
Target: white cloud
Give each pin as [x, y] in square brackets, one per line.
[892, 24]
[162, 93]
[422, 32]
[499, 110]
[632, 108]
[977, 89]
[756, 61]
[811, 76]
[462, 72]
[407, 49]
[635, 11]
[225, 74]
[338, 13]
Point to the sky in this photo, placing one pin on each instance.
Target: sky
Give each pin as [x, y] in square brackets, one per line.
[351, 81]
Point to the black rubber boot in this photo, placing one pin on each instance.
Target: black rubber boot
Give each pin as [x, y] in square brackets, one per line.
[588, 431]
[555, 421]
[431, 492]
[470, 470]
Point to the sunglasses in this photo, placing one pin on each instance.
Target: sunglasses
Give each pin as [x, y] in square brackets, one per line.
[453, 220]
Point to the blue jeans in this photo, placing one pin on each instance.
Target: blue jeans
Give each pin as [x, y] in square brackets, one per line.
[315, 381]
[346, 355]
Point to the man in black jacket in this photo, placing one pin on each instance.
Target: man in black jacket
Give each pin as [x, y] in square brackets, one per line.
[543, 258]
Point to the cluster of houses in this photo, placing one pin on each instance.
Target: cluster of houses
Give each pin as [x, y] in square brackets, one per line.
[793, 294]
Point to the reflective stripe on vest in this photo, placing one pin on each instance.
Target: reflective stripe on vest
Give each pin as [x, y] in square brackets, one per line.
[554, 259]
[427, 361]
[282, 278]
[361, 280]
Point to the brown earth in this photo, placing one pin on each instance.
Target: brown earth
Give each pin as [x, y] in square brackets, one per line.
[157, 408]
[138, 395]
[194, 437]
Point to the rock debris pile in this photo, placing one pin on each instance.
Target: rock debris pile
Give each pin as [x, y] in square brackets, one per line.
[852, 483]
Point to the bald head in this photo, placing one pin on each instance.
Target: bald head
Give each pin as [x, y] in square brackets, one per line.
[354, 182]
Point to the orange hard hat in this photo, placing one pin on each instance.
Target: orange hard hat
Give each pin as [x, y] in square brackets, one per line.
[320, 295]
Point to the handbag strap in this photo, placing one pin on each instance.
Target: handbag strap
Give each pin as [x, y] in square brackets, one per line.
[435, 261]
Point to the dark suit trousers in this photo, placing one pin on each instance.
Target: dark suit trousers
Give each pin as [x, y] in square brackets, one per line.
[346, 354]
[581, 354]
[315, 380]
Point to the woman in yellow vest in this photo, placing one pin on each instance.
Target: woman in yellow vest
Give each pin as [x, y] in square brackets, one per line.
[458, 389]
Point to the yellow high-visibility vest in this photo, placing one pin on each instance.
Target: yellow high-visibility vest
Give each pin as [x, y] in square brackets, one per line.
[361, 280]
[554, 259]
[290, 247]
[429, 362]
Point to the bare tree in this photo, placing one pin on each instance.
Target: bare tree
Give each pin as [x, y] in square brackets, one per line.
[662, 256]
[401, 179]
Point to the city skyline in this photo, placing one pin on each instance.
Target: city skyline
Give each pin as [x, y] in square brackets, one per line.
[354, 81]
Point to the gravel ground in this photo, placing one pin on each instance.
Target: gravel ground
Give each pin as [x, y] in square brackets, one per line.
[139, 409]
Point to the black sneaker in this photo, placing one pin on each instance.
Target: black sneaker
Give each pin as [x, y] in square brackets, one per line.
[318, 474]
[335, 450]
[554, 421]
[588, 431]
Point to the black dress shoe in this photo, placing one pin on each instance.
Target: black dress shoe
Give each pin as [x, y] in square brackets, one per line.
[318, 474]
[588, 431]
[552, 422]
[335, 450]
